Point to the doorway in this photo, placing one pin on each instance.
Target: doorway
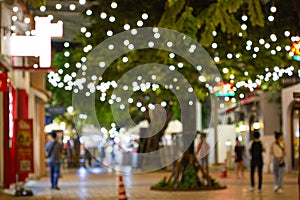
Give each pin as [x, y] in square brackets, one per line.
[295, 120]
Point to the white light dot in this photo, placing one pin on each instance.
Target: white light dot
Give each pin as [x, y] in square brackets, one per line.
[126, 27]
[199, 68]
[172, 55]
[143, 109]
[112, 19]
[58, 6]
[180, 65]
[109, 33]
[66, 44]
[222, 105]
[130, 100]
[169, 44]
[151, 44]
[248, 48]
[133, 31]
[273, 52]
[130, 46]
[82, 29]
[229, 56]
[27, 20]
[113, 5]
[287, 33]
[273, 37]
[15, 9]
[191, 103]
[89, 12]
[144, 16]
[249, 42]
[43, 8]
[126, 42]
[14, 18]
[232, 76]
[103, 15]
[240, 34]
[156, 35]
[66, 53]
[244, 18]
[278, 48]
[111, 47]
[82, 2]
[72, 7]
[172, 67]
[122, 106]
[256, 49]
[267, 45]
[83, 59]
[243, 27]
[102, 64]
[216, 59]
[261, 41]
[271, 18]
[242, 95]
[153, 77]
[214, 45]
[214, 33]
[237, 55]
[88, 34]
[125, 59]
[287, 48]
[246, 73]
[273, 9]
[225, 70]
[254, 55]
[139, 23]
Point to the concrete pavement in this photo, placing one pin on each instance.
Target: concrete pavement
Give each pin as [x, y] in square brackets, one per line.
[100, 184]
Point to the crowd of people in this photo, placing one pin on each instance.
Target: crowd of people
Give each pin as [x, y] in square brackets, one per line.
[256, 148]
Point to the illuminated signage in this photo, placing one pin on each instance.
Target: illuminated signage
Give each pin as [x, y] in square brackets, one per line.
[39, 44]
[224, 90]
[295, 48]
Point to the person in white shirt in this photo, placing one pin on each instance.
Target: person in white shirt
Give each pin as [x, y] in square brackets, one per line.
[278, 151]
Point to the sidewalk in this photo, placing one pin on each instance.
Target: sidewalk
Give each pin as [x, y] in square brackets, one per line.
[97, 184]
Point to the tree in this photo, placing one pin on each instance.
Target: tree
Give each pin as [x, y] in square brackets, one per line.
[244, 44]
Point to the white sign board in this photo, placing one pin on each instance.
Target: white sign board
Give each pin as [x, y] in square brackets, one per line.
[38, 45]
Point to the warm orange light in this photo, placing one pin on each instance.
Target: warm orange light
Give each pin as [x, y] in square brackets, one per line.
[296, 48]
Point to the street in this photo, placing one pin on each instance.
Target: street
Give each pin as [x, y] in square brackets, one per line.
[98, 183]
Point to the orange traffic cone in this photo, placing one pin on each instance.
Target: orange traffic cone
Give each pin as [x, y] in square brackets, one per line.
[122, 192]
[224, 169]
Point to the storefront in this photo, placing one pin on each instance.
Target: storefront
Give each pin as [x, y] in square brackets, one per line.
[290, 116]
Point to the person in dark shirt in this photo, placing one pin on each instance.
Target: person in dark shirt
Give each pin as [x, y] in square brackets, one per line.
[54, 150]
[256, 149]
[239, 151]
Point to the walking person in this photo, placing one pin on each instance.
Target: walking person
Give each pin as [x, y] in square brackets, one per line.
[256, 148]
[239, 151]
[278, 151]
[203, 151]
[54, 150]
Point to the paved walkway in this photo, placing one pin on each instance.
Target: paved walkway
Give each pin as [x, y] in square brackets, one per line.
[96, 184]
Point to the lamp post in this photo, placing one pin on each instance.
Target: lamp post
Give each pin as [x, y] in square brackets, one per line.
[296, 96]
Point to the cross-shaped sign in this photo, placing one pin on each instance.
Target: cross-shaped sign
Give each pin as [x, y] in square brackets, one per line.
[38, 45]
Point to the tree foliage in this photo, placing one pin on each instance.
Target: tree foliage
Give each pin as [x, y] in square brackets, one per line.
[197, 19]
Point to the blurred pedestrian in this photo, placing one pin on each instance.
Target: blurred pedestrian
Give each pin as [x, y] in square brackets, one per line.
[278, 151]
[54, 150]
[239, 151]
[203, 150]
[256, 148]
